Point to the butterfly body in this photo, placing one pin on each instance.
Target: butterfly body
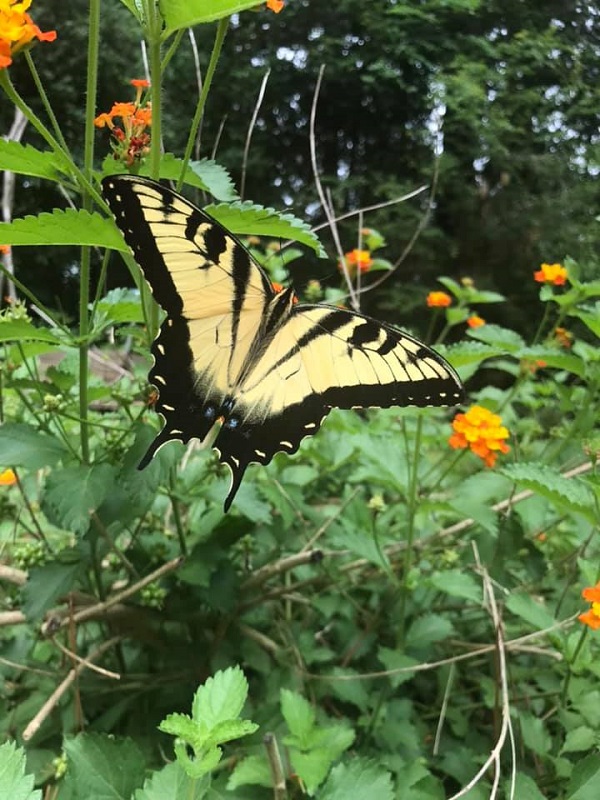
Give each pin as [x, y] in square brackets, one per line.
[235, 352]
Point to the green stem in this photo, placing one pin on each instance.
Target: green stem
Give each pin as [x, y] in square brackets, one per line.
[44, 98]
[212, 65]
[88, 166]
[568, 676]
[411, 507]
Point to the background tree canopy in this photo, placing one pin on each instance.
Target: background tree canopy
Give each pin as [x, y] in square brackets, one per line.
[506, 92]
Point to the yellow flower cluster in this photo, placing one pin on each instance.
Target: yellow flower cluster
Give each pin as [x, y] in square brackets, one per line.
[551, 273]
[482, 432]
[17, 29]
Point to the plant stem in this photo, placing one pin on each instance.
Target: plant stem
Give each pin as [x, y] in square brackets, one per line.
[44, 98]
[210, 71]
[88, 166]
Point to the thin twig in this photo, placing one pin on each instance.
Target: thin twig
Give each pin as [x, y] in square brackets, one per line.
[276, 766]
[51, 702]
[12, 575]
[263, 574]
[251, 126]
[74, 657]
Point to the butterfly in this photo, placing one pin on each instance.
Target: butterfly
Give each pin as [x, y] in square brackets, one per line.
[234, 351]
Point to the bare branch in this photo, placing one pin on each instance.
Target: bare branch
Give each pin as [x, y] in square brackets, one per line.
[259, 99]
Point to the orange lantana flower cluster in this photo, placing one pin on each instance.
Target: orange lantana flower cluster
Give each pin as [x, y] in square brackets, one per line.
[551, 273]
[132, 141]
[438, 300]
[591, 617]
[475, 321]
[357, 260]
[275, 5]
[482, 432]
[17, 29]
[563, 337]
[8, 478]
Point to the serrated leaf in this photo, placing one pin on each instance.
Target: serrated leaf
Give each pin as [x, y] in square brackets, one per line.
[396, 660]
[121, 305]
[45, 585]
[186, 13]
[554, 358]
[182, 726]
[72, 494]
[534, 613]
[549, 483]
[22, 445]
[525, 788]
[68, 226]
[171, 782]
[221, 698]
[484, 296]
[581, 739]
[248, 218]
[468, 353]
[14, 783]
[229, 730]
[497, 336]
[358, 780]
[252, 771]
[590, 318]
[312, 767]
[201, 763]
[535, 734]
[427, 630]
[26, 160]
[21, 330]
[298, 714]
[457, 583]
[104, 768]
[585, 779]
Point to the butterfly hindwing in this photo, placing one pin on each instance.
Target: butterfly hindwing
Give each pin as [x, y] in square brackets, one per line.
[233, 351]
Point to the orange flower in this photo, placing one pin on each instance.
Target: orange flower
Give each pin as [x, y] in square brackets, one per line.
[563, 337]
[131, 142]
[140, 83]
[532, 365]
[17, 29]
[551, 273]
[279, 287]
[591, 617]
[475, 321]
[275, 5]
[482, 432]
[438, 300]
[8, 478]
[357, 259]
[5, 249]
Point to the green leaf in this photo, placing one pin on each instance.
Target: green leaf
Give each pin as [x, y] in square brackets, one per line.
[184, 727]
[358, 780]
[468, 353]
[555, 358]
[45, 585]
[590, 317]
[525, 607]
[568, 493]
[221, 698]
[535, 734]
[396, 660]
[497, 336]
[252, 771]
[14, 783]
[64, 227]
[171, 782]
[72, 494]
[23, 446]
[457, 583]
[585, 779]
[231, 729]
[248, 218]
[185, 13]
[104, 768]
[525, 788]
[579, 740]
[121, 305]
[312, 767]
[427, 630]
[26, 160]
[21, 330]
[298, 714]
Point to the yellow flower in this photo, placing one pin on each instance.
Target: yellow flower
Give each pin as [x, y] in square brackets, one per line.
[17, 29]
[482, 432]
[551, 273]
[438, 300]
[591, 617]
[8, 478]
[475, 321]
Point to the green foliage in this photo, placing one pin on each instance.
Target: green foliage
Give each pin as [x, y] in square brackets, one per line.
[352, 582]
